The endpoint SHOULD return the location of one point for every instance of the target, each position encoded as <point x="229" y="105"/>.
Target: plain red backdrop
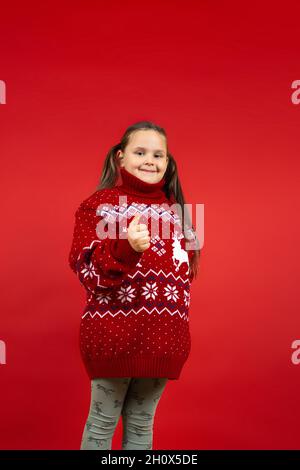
<point x="217" y="76"/>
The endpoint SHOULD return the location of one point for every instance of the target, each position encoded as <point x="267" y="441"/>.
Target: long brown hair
<point x="172" y="187"/>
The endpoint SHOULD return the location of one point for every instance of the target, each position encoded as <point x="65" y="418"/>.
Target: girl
<point x="134" y="330"/>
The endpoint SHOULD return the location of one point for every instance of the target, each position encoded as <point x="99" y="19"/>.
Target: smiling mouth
<point x="148" y="171"/>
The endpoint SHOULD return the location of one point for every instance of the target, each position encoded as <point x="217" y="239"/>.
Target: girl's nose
<point x="149" y="159"/>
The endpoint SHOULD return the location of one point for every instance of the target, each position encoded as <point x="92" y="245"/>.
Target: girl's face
<point x="145" y="156"/>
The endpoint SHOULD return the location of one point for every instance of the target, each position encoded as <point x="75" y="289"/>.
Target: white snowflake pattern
<point x="171" y="292"/>
<point x="186" y="298"/>
<point x="103" y="298"/>
<point x="150" y="290"/>
<point x="157" y="245"/>
<point x="126" y="293"/>
<point x="89" y="271"/>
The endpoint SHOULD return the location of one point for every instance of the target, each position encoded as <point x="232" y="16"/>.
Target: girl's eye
<point x="143" y="152"/>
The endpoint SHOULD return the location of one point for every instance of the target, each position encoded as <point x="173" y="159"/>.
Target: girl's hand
<point x="138" y="235"/>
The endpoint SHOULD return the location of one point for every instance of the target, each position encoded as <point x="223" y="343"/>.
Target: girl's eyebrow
<point x="142" y="148"/>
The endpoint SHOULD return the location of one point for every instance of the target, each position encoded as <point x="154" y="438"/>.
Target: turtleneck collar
<point x="131" y="184"/>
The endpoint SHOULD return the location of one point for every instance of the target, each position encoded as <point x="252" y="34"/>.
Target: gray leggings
<point x="135" y="398"/>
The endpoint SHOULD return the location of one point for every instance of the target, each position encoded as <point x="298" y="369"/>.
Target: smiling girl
<point x="134" y="330"/>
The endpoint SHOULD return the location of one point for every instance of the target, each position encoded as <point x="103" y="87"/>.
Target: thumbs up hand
<point x="138" y="235"/>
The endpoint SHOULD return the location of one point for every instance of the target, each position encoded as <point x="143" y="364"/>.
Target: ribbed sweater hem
<point x="135" y="366"/>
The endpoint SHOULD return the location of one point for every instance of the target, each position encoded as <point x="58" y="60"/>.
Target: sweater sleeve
<point x="99" y="263"/>
<point x="190" y="255"/>
<point x="191" y="235"/>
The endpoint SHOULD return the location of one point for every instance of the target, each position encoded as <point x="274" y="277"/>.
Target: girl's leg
<point x="107" y="397"/>
<point x="138" y="412"/>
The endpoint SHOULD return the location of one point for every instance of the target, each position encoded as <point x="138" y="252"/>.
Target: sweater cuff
<point x="123" y="251"/>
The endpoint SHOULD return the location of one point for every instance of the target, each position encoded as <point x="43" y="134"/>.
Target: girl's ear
<point x="120" y="158"/>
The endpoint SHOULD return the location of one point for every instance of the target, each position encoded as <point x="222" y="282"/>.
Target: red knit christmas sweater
<point x="135" y="322"/>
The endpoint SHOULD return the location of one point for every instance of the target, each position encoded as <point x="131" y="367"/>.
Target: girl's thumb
<point x="136" y="219"/>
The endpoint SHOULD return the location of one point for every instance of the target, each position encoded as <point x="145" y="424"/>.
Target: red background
<point x="217" y="76"/>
